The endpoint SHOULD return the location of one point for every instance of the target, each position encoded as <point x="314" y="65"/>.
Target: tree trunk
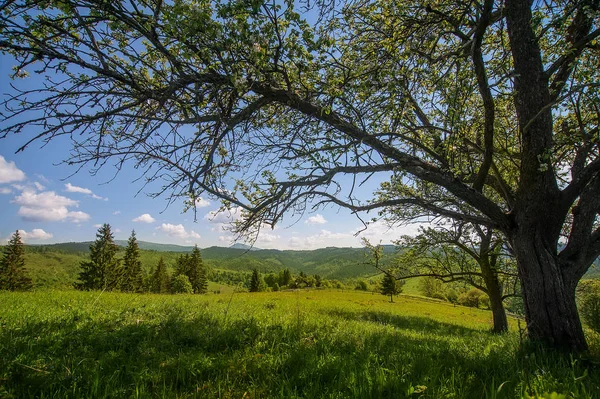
<point x="549" y="299"/>
<point x="498" y="311"/>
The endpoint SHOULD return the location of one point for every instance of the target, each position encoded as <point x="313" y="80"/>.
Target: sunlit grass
<point x="329" y="344"/>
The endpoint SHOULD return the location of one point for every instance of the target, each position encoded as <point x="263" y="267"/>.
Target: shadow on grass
<point x="403" y="322"/>
<point x="205" y="356"/>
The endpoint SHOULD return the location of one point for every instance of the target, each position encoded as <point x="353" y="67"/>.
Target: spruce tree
<point x="103" y="271"/>
<point x="255" y="281"/>
<point x="196" y="272"/>
<point x="13" y="276"/>
<point x="285" y="277"/>
<point x="159" y="282"/>
<point x="390" y="286"/>
<point x="132" y="267"/>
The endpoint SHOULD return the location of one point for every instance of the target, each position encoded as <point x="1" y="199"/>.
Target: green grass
<point x="302" y="344"/>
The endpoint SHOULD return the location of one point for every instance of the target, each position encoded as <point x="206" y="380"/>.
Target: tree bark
<point x="549" y="299"/>
<point x="494" y="291"/>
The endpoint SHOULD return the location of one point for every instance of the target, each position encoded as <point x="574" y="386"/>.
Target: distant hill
<point x="152" y="246"/>
<point x="245" y="247"/>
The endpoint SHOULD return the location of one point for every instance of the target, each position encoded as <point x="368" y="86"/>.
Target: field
<point x="297" y="344"/>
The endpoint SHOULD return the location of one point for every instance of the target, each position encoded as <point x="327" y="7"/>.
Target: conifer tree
<point x="132" y="267"/>
<point x="285" y="277"/>
<point x="390" y="286"/>
<point x="197" y="272"/>
<point x="255" y="281"/>
<point x="103" y="270"/>
<point x="13" y="276"/>
<point x="159" y="282"/>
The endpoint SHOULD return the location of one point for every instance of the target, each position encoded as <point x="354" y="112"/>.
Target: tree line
<point x="104" y="271"/>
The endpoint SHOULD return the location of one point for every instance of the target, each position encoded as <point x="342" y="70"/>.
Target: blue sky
<point x="49" y="203"/>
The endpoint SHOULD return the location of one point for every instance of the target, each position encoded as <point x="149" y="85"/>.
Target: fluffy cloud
<point x="317" y="219"/>
<point x="116" y="212"/>
<point x="177" y="230"/>
<point x="9" y="172"/>
<point x="224" y="217"/>
<point x="47" y="207"/>
<point x="145" y="218"/>
<point x="75" y="189"/>
<point x="35" y="234"/>
<point x="202" y="203"/>
<point x="5" y="190"/>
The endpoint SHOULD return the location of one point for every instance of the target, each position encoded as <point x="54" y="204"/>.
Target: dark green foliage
<point x="588" y="293"/>
<point x="256" y="282"/>
<point x="191" y="265"/>
<point x="132" y="267"/>
<point x="103" y="271"/>
<point x="181" y="285"/>
<point x="13" y="276"/>
<point x="285" y="277"/>
<point x="159" y="282"/>
<point x="390" y="286"/>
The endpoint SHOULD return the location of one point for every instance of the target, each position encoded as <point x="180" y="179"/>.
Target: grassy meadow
<point x="294" y="344"/>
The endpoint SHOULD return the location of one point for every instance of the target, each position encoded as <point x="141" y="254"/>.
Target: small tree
<point x="390" y="286"/>
<point x="132" y="267"/>
<point x="103" y="270"/>
<point x="255" y="281"/>
<point x="159" y="282"/>
<point x="13" y="276"/>
<point x="181" y="285"/>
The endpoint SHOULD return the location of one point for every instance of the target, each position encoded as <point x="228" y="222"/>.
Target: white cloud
<point x="226" y="216"/>
<point x="97" y="225"/>
<point x="177" y="230"/>
<point x="317" y="219"/>
<point x="47" y="207"/>
<point x="5" y="190"/>
<point x="9" y="172"/>
<point x="35" y="234"/>
<point x="47" y="199"/>
<point x="75" y="189"/>
<point x="145" y="218"/>
<point x="116" y="212"/>
<point x="39" y="186"/>
<point x="117" y="230"/>
<point x="267" y="239"/>
<point x="325" y="238"/>
<point x="202" y="203"/>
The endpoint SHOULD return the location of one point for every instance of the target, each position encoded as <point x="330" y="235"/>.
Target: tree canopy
<point x="484" y="112"/>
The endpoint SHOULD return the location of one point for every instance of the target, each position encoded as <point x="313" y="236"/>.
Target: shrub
<point x="361" y="285"/>
<point x="471" y="298"/>
<point x="452" y="295"/>
<point x="181" y="285"/>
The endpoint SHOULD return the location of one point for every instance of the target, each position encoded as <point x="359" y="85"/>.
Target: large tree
<point x="480" y="111"/>
<point x="13" y="276"/>
<point x="103" y="271"/>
